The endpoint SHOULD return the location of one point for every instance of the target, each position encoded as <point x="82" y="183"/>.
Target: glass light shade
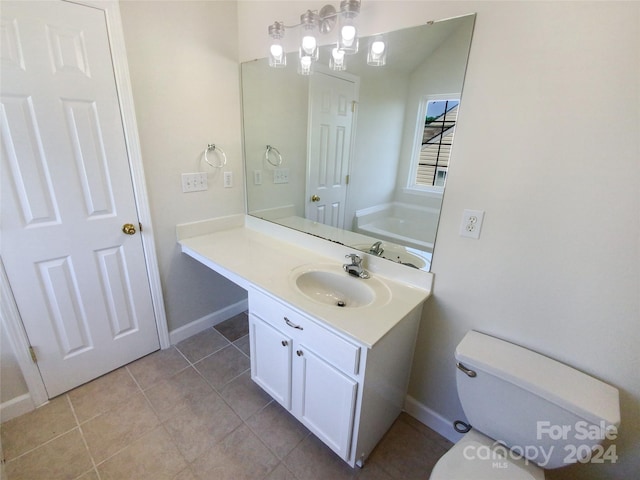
<point x="348" y="38"/>
<point x="305" y="66"/>
<point x="377" y="54"/>
<point x="348" y="28"/>
<point x="337" y="61"/>
<point x="309" y="31"/>
<point x="277" y="55"/>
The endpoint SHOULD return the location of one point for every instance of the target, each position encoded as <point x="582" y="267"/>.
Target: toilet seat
<point x="478" y="457"/>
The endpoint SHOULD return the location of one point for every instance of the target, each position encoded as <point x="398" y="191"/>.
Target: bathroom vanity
<point x="333" y="349"/>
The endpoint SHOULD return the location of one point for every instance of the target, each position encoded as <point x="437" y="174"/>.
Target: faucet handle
<point x="355" y="258"/>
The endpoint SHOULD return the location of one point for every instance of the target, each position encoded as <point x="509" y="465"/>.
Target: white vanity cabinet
<point x="348" y="395"/>
<point x="309" y="370"/>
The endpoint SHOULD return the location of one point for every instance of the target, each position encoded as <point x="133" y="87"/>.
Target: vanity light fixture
<point x="314" y="23"/>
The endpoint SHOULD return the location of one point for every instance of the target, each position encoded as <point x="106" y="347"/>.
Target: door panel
<point x="326" y="400"/>
<point x="271" y="360"/>
<point x="80" y="283"/>
<point x="330" y="130"/>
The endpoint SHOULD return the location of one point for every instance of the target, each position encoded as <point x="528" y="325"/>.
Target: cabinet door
<point x="271" y="360"/>
<point x="325" y="400"/>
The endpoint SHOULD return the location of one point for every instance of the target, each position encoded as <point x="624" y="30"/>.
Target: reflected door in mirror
<point x="331" y="118"/>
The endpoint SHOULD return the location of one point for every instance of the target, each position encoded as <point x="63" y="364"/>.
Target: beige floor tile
<point x="281" y="473"/>
<point x="184" y="389"/>
<point x="278" y="429"/>
<point x="26" y="432"/>
<point x="91" y="475"/>
<point x="153" y="456"/>
<point x="102" y="394"/>
<point x="65" y="457"/>
<point x="244" y="396"/>
<point x="223" y="366"/>
<point x="111" y="431"/>
<point x="405" y="452"/>
<point x="197" y="428"/>
<point x="240" y="455"/>
<point x="234" y="328"/>
<point x="205" y="343"/>
<point x="313" y="460"/>
<point x="186" y="474"/>
<point x="157" y="366"/>
<point x="243" y="344"/>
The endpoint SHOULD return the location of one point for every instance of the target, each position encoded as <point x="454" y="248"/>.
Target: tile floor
<point x="191" y="412"/>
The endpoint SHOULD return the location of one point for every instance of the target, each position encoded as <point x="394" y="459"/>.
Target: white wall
<point x="547" y="144"/>
<point x="184" y="70"/>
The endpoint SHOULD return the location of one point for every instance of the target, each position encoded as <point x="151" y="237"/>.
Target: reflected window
<point x="435" y="139"/>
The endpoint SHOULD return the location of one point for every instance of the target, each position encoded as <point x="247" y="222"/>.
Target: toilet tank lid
<point x="565" y="386"/>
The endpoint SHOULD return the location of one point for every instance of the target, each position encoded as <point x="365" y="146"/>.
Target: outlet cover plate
<point x="471" y="223"/>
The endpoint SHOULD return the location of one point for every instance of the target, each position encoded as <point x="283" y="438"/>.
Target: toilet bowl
<point x="477" y="457"/>
<point x="516" y="402"/>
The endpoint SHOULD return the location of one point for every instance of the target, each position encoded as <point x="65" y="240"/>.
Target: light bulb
<point x="377" y="47"/>
<point x="348" y="34"/>
<point x="336" y="62"/>
<point x="276" y="50"/>
<point x="309" y="44"/>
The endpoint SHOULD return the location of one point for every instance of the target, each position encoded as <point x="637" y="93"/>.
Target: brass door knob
<point x="315" y="198"/>
<point x="129" y="229"/>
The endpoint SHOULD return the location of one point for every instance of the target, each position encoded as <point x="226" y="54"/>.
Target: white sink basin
<point x="331" y="285"/>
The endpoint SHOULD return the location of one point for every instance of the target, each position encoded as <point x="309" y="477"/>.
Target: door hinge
<point x="353" y="106"/>
<point x="140" y="226"/>
<point x="32" y="352"/>
<point x="346" y="180"/>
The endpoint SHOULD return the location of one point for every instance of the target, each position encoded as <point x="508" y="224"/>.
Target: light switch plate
<point x="281" y="175"/>
<point x="194" y="182"/>
<point x="228" y="179"/>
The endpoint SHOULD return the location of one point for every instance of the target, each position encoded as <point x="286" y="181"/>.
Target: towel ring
<point x="223" y="159"/>
<point x="267" y="156"/>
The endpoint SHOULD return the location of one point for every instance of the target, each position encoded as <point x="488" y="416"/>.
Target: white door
<point x="79" y="281"/>
<point x="331" y="104"/>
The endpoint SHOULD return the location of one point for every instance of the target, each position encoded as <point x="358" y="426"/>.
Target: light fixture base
<point x="328" y="18"/>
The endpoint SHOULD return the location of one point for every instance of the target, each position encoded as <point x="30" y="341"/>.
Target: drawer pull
<point x="299" y="353"/>
<point x="284" y="343"/>
<point x="292" y="325"/>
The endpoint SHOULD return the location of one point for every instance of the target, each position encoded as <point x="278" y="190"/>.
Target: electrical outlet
<point x="471" y="223"/>
<point x="281" y="175"/>
<point x="257" y="177"/>
<point x="228" y="179"/>
<point x="194" y="182"/>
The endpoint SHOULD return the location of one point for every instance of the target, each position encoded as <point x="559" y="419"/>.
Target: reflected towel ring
<point x="267" y="156"/>
<point x="223" y="159"/>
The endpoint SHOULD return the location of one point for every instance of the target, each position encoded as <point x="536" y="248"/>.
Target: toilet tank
<point x="542" y="409"/>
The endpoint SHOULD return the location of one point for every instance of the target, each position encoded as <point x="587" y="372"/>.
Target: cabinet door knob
<point x="284" y="343"/>
<point x="299" y="353"/>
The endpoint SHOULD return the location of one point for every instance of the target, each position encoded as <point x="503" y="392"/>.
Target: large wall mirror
<point x="359" y="156"/>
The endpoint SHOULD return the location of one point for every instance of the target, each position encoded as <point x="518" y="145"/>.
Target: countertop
<point x="253" y="258"/>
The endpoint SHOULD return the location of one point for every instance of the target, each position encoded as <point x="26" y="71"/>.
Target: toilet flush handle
<point x="467" y="371"/>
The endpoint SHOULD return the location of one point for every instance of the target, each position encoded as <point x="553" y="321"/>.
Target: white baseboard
<point x="197" y="326"/>
<point x="431" y="419"/>
<point x="16" y="406"/>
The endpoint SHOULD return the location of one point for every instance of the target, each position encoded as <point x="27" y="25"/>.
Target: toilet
<point x="528" y="413"/>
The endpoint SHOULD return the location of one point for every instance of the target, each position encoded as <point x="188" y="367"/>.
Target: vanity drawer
<point x="334" y="349"/>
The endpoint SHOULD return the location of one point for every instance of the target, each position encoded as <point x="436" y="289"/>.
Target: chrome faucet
<point x="376" y="249"/>
<point x="355" y="267"/>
